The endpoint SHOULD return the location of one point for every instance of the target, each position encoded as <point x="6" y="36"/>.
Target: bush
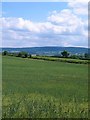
<point x="19" y="54"/>
<point x="74" y="57"/>
<point x="22" y="54"/>
<point x="29" y="56"/>
<point x="11" y="54"/>
<point x="68" y="60"/>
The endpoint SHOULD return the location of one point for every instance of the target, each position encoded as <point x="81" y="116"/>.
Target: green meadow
<point x="43" y="89"/>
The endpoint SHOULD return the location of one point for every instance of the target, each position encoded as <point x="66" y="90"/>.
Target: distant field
<point x="40" y="89"/>
<point x="68" y="60"/>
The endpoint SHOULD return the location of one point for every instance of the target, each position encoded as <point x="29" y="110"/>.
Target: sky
<point x="36" y="24"/>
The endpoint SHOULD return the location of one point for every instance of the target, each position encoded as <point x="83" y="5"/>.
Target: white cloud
<point x="70" y="22"/>
<point x="62" y="28"/>
<point x="79" y="8"/>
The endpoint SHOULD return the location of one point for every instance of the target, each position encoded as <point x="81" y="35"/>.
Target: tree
<point x="65" y="54"/>
<point x="5" y="53"/>
<point x="19" y="54"/>
<point x="26" y="55"/>
<point x="87" y="56"/>
<point x="30" y="56"/>
<point x="22" y="54"/>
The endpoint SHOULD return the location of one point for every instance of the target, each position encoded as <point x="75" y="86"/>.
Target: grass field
<point x="44" y="89"/>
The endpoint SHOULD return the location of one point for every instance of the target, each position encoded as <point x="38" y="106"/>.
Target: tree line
<point x="64" y="54"/>
<point x="17" y="54"/>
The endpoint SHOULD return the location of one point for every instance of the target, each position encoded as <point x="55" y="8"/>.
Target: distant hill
<point x="48" y="50"/>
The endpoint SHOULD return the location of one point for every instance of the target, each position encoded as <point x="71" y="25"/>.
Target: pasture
<point x="43" y="89"/>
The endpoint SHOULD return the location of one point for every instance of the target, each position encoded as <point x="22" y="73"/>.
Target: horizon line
<point x="47" y="46"/>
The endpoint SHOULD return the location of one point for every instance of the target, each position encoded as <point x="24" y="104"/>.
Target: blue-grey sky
<point x="31" y="24"/>
<point x="36" y="11"/>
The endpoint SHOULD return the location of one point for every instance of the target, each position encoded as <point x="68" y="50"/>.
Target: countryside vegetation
<point x="44" y="86"/>
<point x="65" y="56"/>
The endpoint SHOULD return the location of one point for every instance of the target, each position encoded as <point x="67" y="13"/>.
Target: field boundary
<point x="77" y="61"/>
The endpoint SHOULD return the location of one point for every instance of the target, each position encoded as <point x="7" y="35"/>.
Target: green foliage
<point x="5" y="53"/>
<point x="67" y="60"/>
<point x="29" y="56"/>
<point x="65" y="54"/>
<point x="19" y="54"/>
<point x="22" y="54"/>
<point x="87" y="56"/>
<point x="74" y="56"/>
<point x="79" y="59"/>
<point x="45" y="89"/>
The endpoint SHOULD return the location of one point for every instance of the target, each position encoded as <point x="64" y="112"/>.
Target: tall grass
<point x="40" y="106"/>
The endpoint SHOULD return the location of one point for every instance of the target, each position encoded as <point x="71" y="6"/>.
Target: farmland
<point x="44" y="89"/>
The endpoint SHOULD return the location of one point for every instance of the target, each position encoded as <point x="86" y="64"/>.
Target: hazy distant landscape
<point x="49" y="50"/>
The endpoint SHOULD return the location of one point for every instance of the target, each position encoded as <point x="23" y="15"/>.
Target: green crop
<point x="44" y="89"/>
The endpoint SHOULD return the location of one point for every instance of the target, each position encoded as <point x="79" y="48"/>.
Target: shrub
<point x="74" y="57"/>
<point x="29" y="56"/>
<point x="22" y="54"/>
<point x="19" y="54"/>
